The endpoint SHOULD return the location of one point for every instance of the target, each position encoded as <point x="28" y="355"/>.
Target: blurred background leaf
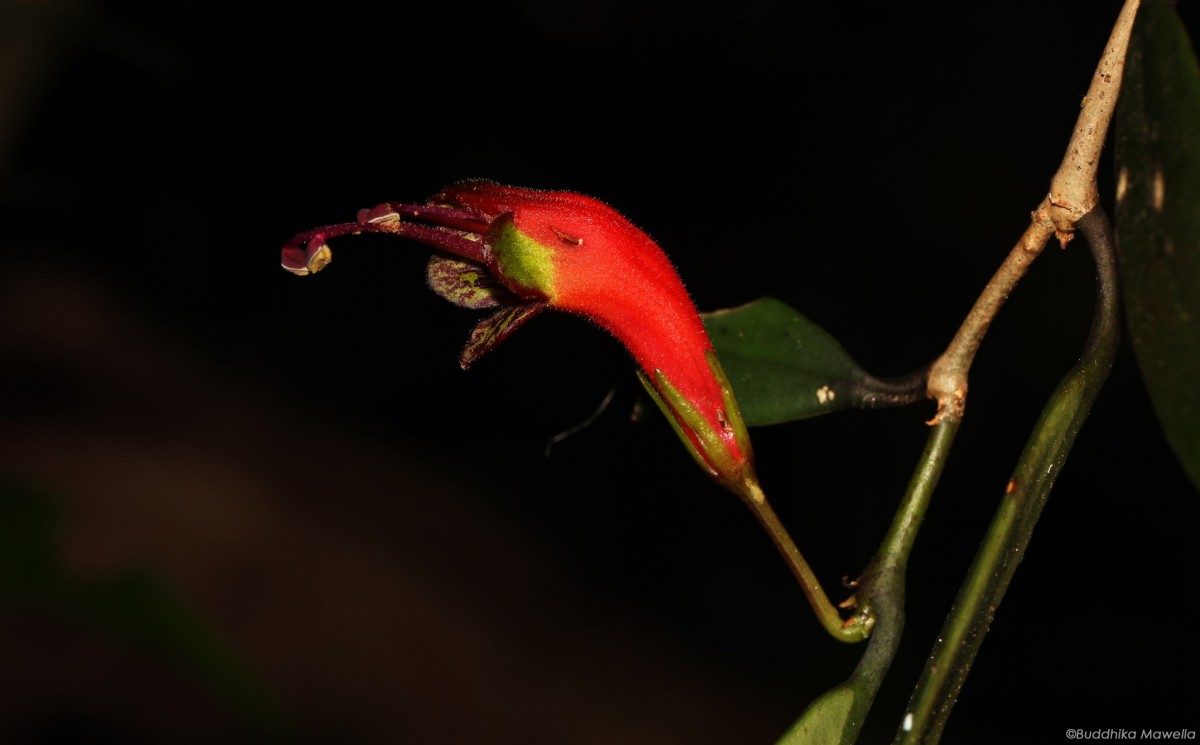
<point x="135" y="608"/>
<point x="1158" y="220"/>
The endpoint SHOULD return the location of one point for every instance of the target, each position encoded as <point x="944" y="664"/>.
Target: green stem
<point x="885" y="393"/>
<point x="893" y="552"/>
<point x="1025" y="496"/>
<point x="881" y="598"/>
<point x="846" y="631"/>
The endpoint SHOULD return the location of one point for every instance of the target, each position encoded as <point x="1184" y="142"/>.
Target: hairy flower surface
<point x="523" y="250"/>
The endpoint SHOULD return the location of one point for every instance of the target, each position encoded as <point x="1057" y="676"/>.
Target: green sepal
<point x="733" y="412"/>
<point x="674" y="415"/>
<point x="491" y="331"/>
<point x="701" y="439"/>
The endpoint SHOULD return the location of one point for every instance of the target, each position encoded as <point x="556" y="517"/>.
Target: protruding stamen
<point x="301" y="257"/>
<point x="449" y="217"/>
<point x="464" y="243"/>
<point x="378" y="213"/>
<point x="451" y="230"/>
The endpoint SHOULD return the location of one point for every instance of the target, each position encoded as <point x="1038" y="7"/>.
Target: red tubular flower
<point x="524" y="250"/>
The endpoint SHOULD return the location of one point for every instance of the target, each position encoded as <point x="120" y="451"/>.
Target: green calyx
<point x="524" y="265"/>
<point x="702" y="439"/>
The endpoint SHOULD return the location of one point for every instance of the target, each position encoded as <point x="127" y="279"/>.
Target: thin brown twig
<point x="1073" y="193"/>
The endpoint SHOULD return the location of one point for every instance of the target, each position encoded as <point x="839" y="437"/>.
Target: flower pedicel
<point x="520" y="251"/>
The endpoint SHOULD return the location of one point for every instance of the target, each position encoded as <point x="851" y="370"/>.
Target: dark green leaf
<point x="784" y="367"/>
<point x="1158" y="220"/>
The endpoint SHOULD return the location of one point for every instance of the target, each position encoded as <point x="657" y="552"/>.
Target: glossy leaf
<point x="1158" y="220"/>
<point x="785" y="367"/>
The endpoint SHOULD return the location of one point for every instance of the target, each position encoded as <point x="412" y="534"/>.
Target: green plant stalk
<point x="838" y="715"/>
<point x="736" y="473"/>
<point x="882" y="587"/>
<point x="893" y="553"/>
<point x="854" y="630"/>
<point x="1025" y="496"/>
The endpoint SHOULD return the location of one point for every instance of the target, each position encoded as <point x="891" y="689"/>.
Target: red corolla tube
<point x="523" y="250"/>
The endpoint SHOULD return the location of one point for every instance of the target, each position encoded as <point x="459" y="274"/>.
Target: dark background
<point x="358" y="542"/>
